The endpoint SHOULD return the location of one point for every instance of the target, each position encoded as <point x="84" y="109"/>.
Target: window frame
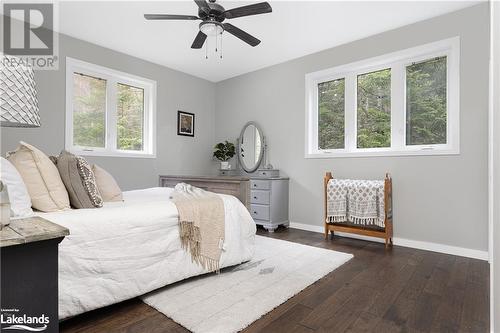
<point x="397" y="63"/>
<point x="112" y="77"/>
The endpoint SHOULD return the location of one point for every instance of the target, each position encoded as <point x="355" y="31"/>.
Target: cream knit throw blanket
<point x="201" y="224"/>
<point x="356" y="201"/>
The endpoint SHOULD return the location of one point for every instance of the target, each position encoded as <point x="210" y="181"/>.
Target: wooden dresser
<point x="233" y="185"/>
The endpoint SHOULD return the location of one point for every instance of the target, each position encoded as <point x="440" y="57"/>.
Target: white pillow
<point x="20" y="201"/>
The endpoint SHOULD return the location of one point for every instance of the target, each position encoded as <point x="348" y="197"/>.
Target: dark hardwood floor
<point x="400" y="290"/>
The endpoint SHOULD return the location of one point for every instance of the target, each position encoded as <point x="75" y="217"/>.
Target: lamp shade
<point x="18" y="97"/>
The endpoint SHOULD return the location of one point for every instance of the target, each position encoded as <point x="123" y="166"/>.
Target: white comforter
<point x="129" y="248"/>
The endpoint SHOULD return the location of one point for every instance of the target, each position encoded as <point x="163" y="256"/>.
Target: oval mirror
<point x="251" y="147"/>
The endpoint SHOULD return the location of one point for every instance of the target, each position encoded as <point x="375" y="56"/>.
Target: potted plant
<point x="224" y="151"/>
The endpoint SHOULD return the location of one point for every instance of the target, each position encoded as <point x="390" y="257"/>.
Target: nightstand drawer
<point x="260" y="184"/>
<point x="260" y="212"/>
<point x="259" y="197"/>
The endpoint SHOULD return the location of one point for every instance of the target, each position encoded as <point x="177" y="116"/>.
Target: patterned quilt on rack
<point x="356" y="201"/>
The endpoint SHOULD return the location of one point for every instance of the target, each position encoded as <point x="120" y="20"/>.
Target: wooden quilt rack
<point x="384" y="233"/>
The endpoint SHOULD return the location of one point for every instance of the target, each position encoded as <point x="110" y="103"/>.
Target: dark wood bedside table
<point x="29" y="273"/>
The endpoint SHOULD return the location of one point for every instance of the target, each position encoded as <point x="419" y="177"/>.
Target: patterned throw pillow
<point x="79" y="180"/>
<point x="88" y="180"/>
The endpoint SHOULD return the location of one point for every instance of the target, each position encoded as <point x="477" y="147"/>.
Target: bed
<point x="129" y="248"/>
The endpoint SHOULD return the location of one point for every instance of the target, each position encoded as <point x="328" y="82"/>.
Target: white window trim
<point x="397" y="62"/>
<point x="113" y="77"/>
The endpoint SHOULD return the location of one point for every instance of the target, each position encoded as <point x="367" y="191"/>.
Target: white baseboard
<point x="421" y="245"/>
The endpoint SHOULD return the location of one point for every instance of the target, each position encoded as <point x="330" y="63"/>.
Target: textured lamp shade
<point x="18" y="100"/>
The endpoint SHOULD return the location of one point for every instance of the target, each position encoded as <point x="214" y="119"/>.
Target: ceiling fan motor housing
<point x="216" y="12"/>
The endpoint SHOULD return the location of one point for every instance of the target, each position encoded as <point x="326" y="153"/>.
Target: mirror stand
<point x="252" y="154"/>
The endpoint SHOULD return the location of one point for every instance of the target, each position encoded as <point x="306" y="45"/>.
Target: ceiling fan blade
<point x="169" y="17"/>
<point x="199" y="40"/>
<point x="202" y="4"/>
<point x="258" y="8"/>
<point x="246" y="37"/>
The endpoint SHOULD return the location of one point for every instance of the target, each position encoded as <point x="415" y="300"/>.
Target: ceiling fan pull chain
<point x="221" y="45"/>
<point x="206" y="50"/>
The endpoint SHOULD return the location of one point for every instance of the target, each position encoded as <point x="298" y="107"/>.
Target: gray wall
<point x="440" y="199"/>
<point x="495" y="172"/>
<point x="175" y="91"/>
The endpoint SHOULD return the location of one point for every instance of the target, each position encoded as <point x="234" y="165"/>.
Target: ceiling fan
<point x="212" y="16"/>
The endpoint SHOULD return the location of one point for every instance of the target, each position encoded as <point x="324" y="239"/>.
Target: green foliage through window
<point x="89" y="113"/>
<point x="374" y="109"/>
<point x="331" y="115"/>
<point x="426" y="102"/>
<point x="130" y="118"/>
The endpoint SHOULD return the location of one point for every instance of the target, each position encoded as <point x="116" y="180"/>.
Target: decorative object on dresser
<point x="224" y="151"/>
<point x="29" y="275"/>
<point x="362" y="207"/>
<point x="185" y="123"/>
<point x="238" y="186"/>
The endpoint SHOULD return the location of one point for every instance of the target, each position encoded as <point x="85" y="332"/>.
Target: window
<point x="331" y="114"/>
<point x="130" y="118"/>
<point x="374" y="109"/>
<point x="426" y="102"/>
<point x="108" y="113"/>
<point x="403" y="103"/>
<point x="89" y="111"/>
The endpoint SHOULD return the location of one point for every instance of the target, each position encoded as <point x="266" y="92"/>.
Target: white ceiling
<point x="292" y="30"/>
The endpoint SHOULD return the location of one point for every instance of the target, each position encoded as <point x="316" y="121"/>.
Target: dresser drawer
<point x="259" y="212"/>
<point x="266" y="173"/>
<point x="259" y="197"/>
<point x="257" y="184"/>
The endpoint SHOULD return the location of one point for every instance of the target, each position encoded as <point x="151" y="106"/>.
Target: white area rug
<point x="237" y="297"/>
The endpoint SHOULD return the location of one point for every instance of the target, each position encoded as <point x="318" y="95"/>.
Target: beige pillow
<point x="41" y="177"/>
<point x="109" y="189"/>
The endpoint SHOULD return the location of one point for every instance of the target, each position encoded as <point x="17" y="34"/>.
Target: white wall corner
<point x="421" y="245"/>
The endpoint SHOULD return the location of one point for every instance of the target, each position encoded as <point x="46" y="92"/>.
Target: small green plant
<point x="223" y="151"/>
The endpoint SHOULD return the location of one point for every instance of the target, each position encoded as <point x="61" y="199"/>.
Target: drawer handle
<point x="255" y="197"/>
<point x="255" y="212"/>
<point x="254" y="185"/>
<point x="264" y="173"/>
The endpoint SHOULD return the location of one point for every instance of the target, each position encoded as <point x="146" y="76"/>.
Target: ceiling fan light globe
<point x="211" y="29"/>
